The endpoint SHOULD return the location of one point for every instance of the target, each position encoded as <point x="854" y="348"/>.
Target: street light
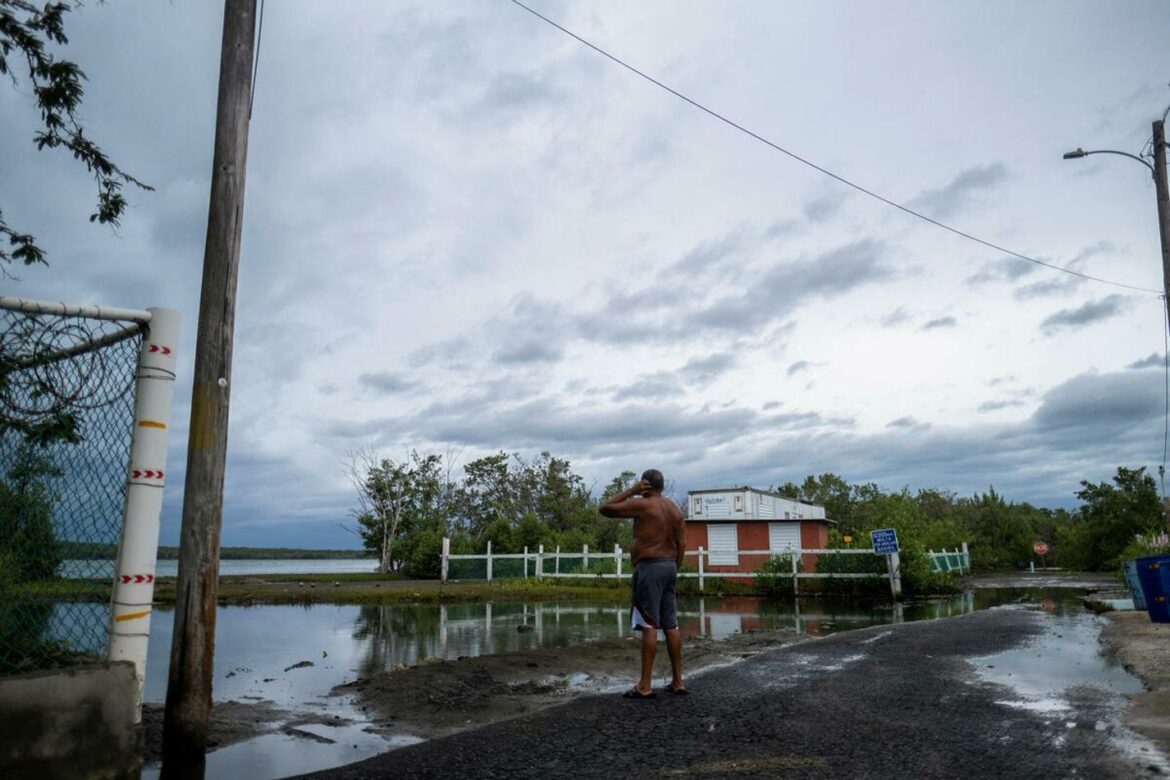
<point x="1158" y="169"/>
<point x="1078" y="153"/>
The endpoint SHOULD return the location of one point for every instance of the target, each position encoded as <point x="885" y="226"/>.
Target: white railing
<point x="542" y="561"/>
<point x="950" y="560"/>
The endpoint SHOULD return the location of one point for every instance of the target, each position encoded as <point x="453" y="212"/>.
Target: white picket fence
<point x="542" y="561"/>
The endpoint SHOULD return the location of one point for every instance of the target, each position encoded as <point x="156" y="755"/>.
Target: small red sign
<point x="1040" y="548"/>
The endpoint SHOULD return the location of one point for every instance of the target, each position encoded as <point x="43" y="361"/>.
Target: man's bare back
<point x="659" y="530"/>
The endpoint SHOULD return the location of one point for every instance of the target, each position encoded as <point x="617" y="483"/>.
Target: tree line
<point x="406" y="507"/>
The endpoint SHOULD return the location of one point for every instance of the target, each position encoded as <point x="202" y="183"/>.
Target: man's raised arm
<point x="624" y="504"/>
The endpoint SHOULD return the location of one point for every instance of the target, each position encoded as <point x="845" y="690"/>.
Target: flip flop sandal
<point x="634" y="693"/>
<point x="676" y="691"/>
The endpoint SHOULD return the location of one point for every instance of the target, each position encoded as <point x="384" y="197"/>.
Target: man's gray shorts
<point x="653" y="586"/>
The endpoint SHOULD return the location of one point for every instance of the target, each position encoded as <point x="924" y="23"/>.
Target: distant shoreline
<point x="81" y="551"/>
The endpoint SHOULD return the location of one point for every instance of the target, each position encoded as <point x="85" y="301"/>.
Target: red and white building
<point x="728" y="521"/>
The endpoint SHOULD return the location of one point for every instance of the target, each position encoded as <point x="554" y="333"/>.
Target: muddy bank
<point x="231" y="721"/>
<point x="1143" y="648"/>
<point x="437" y="697"/>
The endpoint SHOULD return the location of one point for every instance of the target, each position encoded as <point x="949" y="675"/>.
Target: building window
<point x="783" y="536"/>
<point x="698" y="505"/>
<point x="724" y="550"/>
<point x="739" y="503"/>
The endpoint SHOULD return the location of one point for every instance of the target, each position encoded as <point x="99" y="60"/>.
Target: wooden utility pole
<point x="188" y="706"/>
<point x="1163" y="226"/>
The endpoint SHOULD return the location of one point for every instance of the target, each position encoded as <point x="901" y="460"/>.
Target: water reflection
<point x="395" y="634"/>
<point x="256" y="646"/>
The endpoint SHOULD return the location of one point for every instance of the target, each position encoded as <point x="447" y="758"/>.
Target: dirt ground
<point x="438" y="697"/>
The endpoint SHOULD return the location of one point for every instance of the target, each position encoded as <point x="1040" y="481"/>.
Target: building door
<point x="724" y="549"/>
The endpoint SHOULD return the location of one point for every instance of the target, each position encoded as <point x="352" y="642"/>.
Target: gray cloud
<point x="384" y="383"/>
<point x="549" y="424"/>
<point x="798" y="366"/>
<point x="1040" y="459"/>
<point x="518" y="91"/>
<point x="1093" y="311"/>
<point x="1062" y="284"/>
<point x="898" y="316"/>
<point x="834" y="273"/>
<point x="960" y="191"/>
<point x="1047" y="288"/>
<point x="907" y="423"/>
<point x="1096" y="401"/>
<point x="822" y="208"/>
<point x="531" y="350"/>
<point x="662" y="384"/>
<point x="702" y="371"/>
<point x="1007" y="269"/>
<point x="1153" y="360"/>
<point x="940" y="322"/>
<point x="992" y="406"/>
<point x="711" y="256"/>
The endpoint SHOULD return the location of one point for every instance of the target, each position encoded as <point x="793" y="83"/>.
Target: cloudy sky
<point x="467" y="232"/>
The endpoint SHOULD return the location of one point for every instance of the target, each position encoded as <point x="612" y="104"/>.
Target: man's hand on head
<point x="642" y="487"/>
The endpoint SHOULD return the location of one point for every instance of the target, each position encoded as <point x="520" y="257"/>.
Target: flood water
<point x="293" y="656"/>
<point x="256" y="645"/>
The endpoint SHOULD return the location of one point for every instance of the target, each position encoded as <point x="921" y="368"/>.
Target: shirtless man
<point x="657" y="554"/>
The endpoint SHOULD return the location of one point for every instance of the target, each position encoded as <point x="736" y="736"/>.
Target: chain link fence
<point x="66" y="420"/>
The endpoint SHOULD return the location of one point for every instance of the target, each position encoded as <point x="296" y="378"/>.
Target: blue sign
<point x="885" y="541"/>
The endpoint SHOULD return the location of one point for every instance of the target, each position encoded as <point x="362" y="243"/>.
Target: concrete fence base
<point x="70" y="723"/>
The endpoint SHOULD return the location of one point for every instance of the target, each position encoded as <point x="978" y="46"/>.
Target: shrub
<point x="774" y="578"/>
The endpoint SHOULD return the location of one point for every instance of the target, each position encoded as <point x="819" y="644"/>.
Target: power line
<point x="256" y="59"/>
<point x="825" y="171"/>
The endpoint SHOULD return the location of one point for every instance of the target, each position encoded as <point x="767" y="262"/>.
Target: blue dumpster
<point x="1154" y="575"/>
<point x="1135" y="584"/>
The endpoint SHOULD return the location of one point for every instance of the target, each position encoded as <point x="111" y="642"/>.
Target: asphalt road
<point x="901" y="701"/>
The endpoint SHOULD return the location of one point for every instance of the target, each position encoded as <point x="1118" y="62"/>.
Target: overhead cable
<point x="825" y="171"/>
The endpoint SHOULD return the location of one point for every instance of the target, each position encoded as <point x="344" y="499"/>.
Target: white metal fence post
<point x="525" y="561"/>
<point x="539" y="562"/>
<point x="795" y="579"/>
<point x="700" y="575"/>
<point x="894" y="564"/>
<point x="557" y="562"/>
<point x="445" y="559"/>
<point x="966" y="558"/>
<point x="584" y="559"/>
<point x="618" y="554"/>
<point x="138" y="547"/>
<point x="489" y="568"/>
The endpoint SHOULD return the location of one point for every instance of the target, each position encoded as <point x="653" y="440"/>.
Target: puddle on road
<point x="1045" y="672"/>
<point x="308" y="748"/>
<point x="1063" y="677"/>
